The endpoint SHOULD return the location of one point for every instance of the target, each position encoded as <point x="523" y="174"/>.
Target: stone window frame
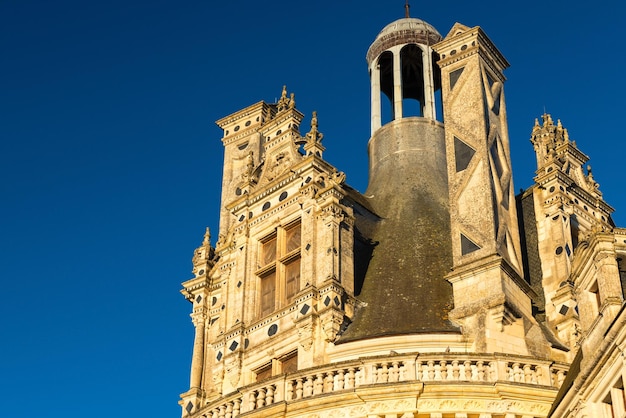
<point x="279" y="267"/>
<point x="614" y="402"/>
<point x="595" y="297"/>
<point x="284" y="364"/>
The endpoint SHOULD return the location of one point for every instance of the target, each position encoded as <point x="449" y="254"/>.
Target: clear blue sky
<point x="111" y="162"/>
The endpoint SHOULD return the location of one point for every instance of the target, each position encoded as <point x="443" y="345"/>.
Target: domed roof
<point x="407" y="30"/>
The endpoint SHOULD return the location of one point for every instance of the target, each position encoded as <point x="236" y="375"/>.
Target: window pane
<point x="264" y="372"/>
<point x="289" y="364"/>
<point x="268" y="252"/>
<point x="293" y="238"/>
<point x="292" y="279"/>
<point x="268" y="293"/>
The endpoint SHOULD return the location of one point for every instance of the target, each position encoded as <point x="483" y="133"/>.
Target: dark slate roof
<point x="403" y="253"/>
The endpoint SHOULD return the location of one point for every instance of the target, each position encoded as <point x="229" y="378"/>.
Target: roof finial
<point x="406" y="9"/>
<point x="207" y="237"/>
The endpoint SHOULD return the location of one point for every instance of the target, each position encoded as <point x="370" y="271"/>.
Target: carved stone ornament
<point x="233" y="369"/>
<point x="218" y="377"/>
<point x="305" y="333"/>
<point x="357" y="411"/>
<point x="331" y="323"/>
<point x="332" y="212"/>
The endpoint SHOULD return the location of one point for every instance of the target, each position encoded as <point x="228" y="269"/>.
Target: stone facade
<point x="436" y="293"/>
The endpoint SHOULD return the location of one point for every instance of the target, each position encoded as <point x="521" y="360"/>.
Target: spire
<point x="285" y="102"/>
<point x="207" y="237"/>
<point x="203" y="256"/>
<point x="407" y="6"/>
<point x="313" y="138"/>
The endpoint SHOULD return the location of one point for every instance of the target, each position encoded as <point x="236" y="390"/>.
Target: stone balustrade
<point x="427" y="368"/>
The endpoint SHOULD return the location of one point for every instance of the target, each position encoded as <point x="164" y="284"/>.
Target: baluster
<point x="269" y="397"/>
<point x="431" y="370"/>
<point x="361" y="377"/>
<point x="289" y="390"/>
<point x="437" y="371"/>
<point x="299" y="386"/>
<point x="560" y="376"/>
<point x="394" y="372"/>
<point x="229" y="410"/>
<point x="351" y="377"/>
<point x="528" y="378"/>
<point x="535" y="374"/>
<point x="402" y="371"/>
<point x="260" y="398"/>
<point x="480" y="369"/>
<point x="384" y="373"/>
<point x="329" y="382"/>
<point x="444" y="369"/>
<point x="467" y="368"/>
<point x="493" y="371"/>
<point x="236" y="407"/>
<point x="340" y="380"/>
<point x="222" y="411"/>
<point x="517" y="372"/>
<point x="418" y="370"/>
<point x="319" y="384"/>
<point x="375" y="373"/>
<point x="456" y="370"/>
<point x="539" y="371"/>
<point x="252" y="400"/>
<point x="308" y="386"/>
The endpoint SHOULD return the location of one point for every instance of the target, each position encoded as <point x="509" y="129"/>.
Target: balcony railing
<point x="435" y="367"/>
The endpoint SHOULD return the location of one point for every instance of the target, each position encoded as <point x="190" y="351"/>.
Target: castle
<point x="437" y="293"/>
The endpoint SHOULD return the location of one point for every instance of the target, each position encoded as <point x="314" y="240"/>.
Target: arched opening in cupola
<point x="385" y="70"/>
<point x="412" y="66"/>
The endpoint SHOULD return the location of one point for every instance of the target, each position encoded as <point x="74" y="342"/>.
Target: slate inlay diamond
<point x="305" y="308"/>
<point x="219" y="356"/>
<point x="337" y="301"/>
<point x="454" y="77"/>
<point x="564" y="309"/>
<point x="233" y="346"/>
<point x="467" y="246"/>
<point x="327" y="301"/>
<point x="463" y="154"/>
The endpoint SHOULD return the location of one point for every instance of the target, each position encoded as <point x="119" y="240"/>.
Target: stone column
<point x="331" y="216"/>
<point x="197" y="360"/>
<point x="429" y="87"/>
<point x="397" y="84"/>
<point x="375" y="99"/>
